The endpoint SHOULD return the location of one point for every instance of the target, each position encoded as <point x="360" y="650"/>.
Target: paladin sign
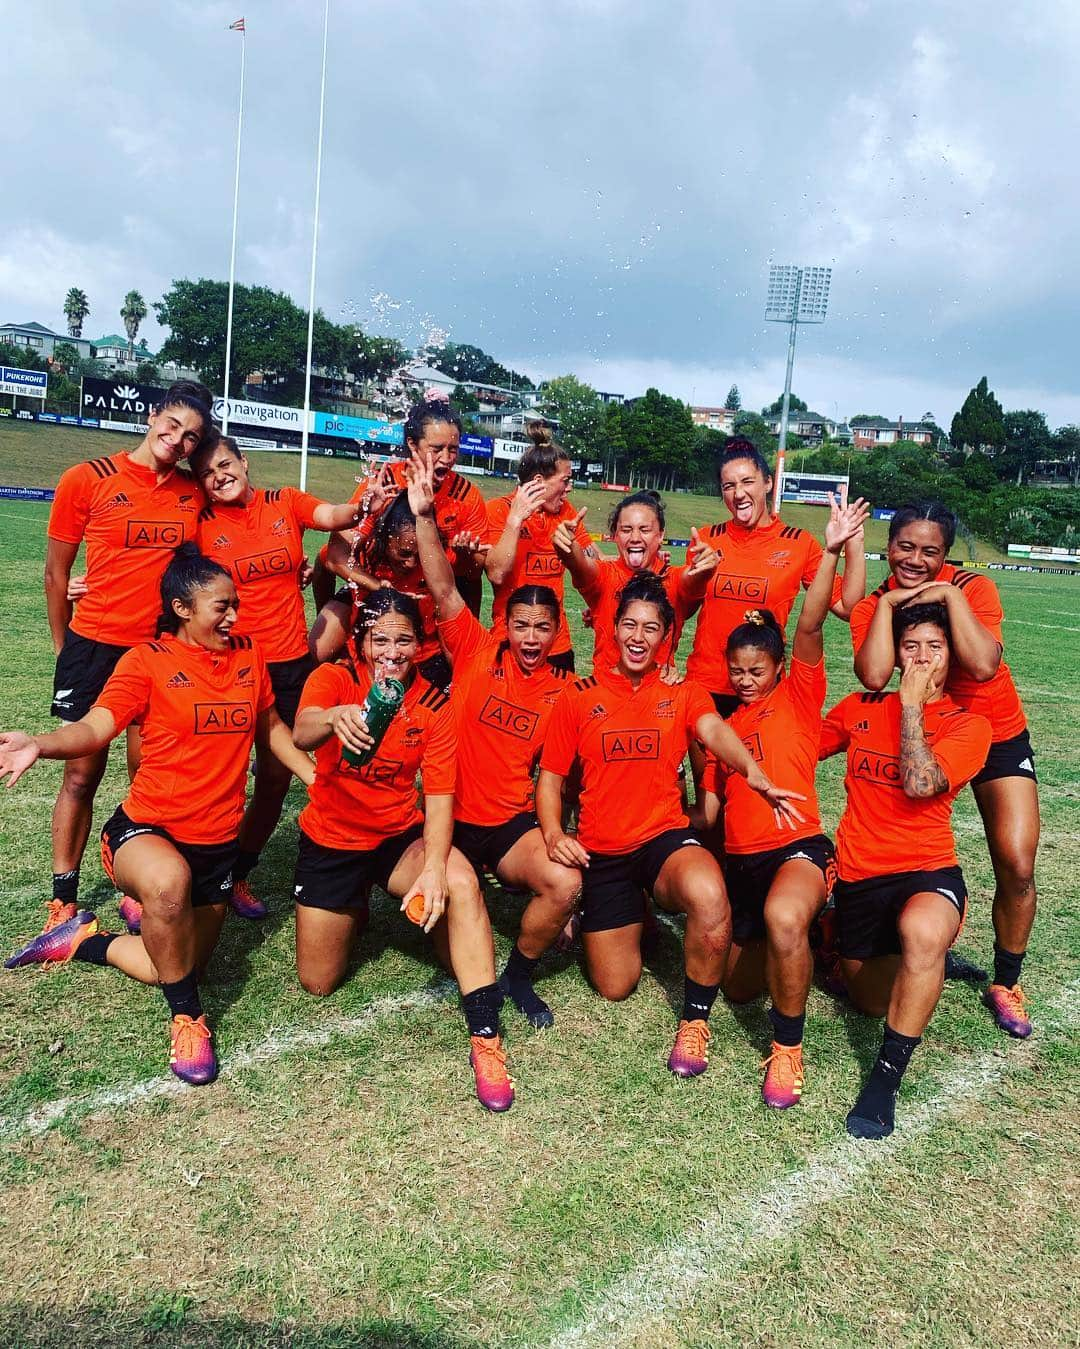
<point x="107" y="397"/>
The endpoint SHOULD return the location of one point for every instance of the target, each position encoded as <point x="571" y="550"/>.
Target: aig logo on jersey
<point x="153" y="534"/>
<point x="753" y="744"/>
<point x="261" y="566"/>
<point x="883" y="770"/>
<point x="630" y="746"/>
<point x="743" y="589"/>
<point x="223" y="718"/>
<point x="546" y="565"/>
<point x="509" y="719"/>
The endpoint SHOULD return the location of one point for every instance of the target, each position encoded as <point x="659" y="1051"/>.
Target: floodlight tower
<point x="796" y="295"/>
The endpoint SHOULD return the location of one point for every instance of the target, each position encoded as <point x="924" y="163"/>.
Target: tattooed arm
<point x="921" y="774"/>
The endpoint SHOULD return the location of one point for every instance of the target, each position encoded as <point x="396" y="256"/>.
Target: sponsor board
<point x="26" y="493"/>
<point x="136" y="428"/>
<point x="614" y="487"/>
<point x="23" y="383"/>
<point x="813" y="489"/>
<point x="119" y="396"/>
<point x="46" y="416"/>
<point x="480" y="446"/>
<point x="253" y="443"/>
<point x="358" y="428"/>
<point x="259" y="414"/>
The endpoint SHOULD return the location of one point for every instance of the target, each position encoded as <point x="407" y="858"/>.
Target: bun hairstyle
<point x="934" y="511"/>
<point x="759" y="631"/>
<point x="541" y="596"/>
<point x="738" y="447"/>
<point x="646" y="497"/>
<point x="649" y="589"/>
<point x="433" y="407"/>
<point x="188" y="572"/>
<point x="386" y="601"/>
<point x="907" y="616"/>
<point x="543" y="456"/>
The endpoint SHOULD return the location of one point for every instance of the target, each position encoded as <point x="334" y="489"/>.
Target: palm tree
<point x="133" y="313"/>
<point x="76" y="308"/>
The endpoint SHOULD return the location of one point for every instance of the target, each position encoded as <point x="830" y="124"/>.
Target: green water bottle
<point x="382" y="701"/>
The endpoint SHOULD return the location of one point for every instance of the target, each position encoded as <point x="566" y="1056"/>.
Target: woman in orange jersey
<point x="908" y="756"/>
<point x="362" y="827"/>
<point x="1006" y="789"/>
<point x="631" y="731"/>
<point x="522" y="527"/>
<point x="131" y="509"/>
<point x="259" y="537"/>
<point x="778" y="887"/>
<point x="763" y="563"/>
<point x="504" y="693"/>
<point x="637" y="526"/>
<point x="202" y="698"/>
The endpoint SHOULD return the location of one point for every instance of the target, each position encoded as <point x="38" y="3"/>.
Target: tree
<point x="132" y="313"/>
<point x="146" y="372"/>
<point x="660" y="443"/>
<point x="66" y="359"/>
<point x="1066" y="446"/>
<point x="21" y="358"/>
<point x="733" y="401"/>
<point x="752" y="427"/>
<point x="794" y="405"/>
<point x="470" y="365"/>
<point x="463" y="401"/>
<point x="375" y="357"/>
<point x="979" y="425"/>
<point x="1027" y="440"/>
<point x="580" y="413"/>
<point x="76" y="310"/>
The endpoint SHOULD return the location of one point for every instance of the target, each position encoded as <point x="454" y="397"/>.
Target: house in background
<point x="808" y="426"/>
<point x="716" y="419"/>
<point x="43" y="341"/>
<point x="112" y="351"/>
<point x="869" y="432"/>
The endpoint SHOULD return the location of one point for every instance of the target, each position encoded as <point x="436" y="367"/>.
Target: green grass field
<point x="341" y="1186"/>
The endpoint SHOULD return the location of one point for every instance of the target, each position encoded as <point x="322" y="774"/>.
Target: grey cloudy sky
<point x="593" y="186"/>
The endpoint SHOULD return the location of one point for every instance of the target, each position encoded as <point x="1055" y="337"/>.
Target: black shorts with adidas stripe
<point x="83" y="668"/>
<point x="1012" y="758"/>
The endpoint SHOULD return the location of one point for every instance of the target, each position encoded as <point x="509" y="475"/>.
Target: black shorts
<point x="725" y="703"/>
<point x="1012" y="758"/>
<point x="485" y="845"/>
<point x="750" y="875"/>
<point x="82" y="671"/>
<point x="211" y="864"/>
<point x="287" y="679"/>
<point x="613" y="884"/>
<point x="436" y="670"/>
<point x="340" y="878"/>
<point x="866" y="911"/>
<point x="563" y="661"/>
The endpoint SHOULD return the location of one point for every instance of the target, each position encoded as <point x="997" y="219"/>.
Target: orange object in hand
<point x="414" y="910"/>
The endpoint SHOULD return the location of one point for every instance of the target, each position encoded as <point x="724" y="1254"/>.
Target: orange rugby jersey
<point x="631" y="743"/>
<point x="602" y="597"/>
<point x="131" y="523"/>
<point x="357" y="808"/>
<point x="502" y="716"/>
<point x="535" y="563"/>
<point x="760" y="568"/>
<point x="997" y="699"/>
<point x="783" y="733"/>
<point x="197" y="710"/>
<point x="262" y="546"/>
<point x="882" y="830"/>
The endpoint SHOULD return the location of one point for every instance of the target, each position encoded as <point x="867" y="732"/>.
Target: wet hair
<point x="738" y="447"/>
<point x="646" y="497"/>
<point x="189" y="393"/>
<point x="188" y="572"/>
<point x="649" y="589"/>
<point x="212" y="442"/>
<point x="934" y="511"/>
<point x="423" y="414"/>
<point x="542" y="596"/>
<point x="907" y="616"/>
<point x="394" y="520"/>
<point x="386" y="601"/>
<point x="543" y="456"/>
<point x="760" y="631"/>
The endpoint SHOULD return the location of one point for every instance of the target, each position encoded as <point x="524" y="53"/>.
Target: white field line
<point x="1055" y="627"/>
<point x="274" y="1046"/>
<point x="729" y="1237"/>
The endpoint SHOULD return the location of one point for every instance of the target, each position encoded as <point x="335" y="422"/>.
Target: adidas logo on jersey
<point x="179" y="681"/>
<point x="118" y="502"/>
<point x="222" y="541"/>
<point x="599" y="711"/>
<point x="861" y="726"/>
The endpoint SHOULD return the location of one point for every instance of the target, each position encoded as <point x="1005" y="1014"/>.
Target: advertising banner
<point x="358" y="428"/>
<point x="259" y="414"/>
<point x="23" y="383"/>
<point x="813" y="489"/>
<point x="481" y="446"/>
<point x="112" y="397"/>
<point x="27" y="493"/>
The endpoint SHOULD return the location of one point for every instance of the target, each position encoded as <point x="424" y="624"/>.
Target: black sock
<point x="92" y="949"/>
<point x="1007" y="966"/>
<point x="516" y="979"/>
<point x="245" y="864"/>
<point x="65" y="886"/>
<point x="787" y="1030"/>
<point x="482" y="1007"/>
<point x="874" y="1114"/>
<point x="183" y="997"/>
<point x="698" y="1000"/>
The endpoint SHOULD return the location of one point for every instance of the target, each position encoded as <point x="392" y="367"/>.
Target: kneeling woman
<point x="504" y="693"/>
<point x="631" y="732"/>
<point x="362" y="827"/>
<point x="202" y="699"/>
<point x="908" y="755"/>
<point x="778" y="888"/>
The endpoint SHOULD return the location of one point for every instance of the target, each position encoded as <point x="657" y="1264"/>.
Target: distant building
<point x="427" y="377"/>
<point x="513" y="423"/>
<point x="610" y="397"/>
<point x="112" y="350"/>
<point x="806" y="425"/>
<point x="43" y="341"/>
<point x="716" y="419"/>
<point x="869" y="432"/>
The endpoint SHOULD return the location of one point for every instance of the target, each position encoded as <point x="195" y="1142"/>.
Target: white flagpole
<point x="314" y="258"/>
<point x="232" y="252"/>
